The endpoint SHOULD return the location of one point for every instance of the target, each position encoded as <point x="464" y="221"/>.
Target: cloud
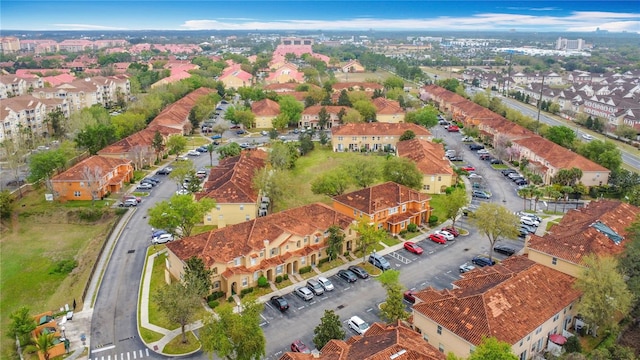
<point x="85" y="27"/>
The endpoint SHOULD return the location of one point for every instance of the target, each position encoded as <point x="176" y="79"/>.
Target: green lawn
<point x="390" y="241"/>
<point x="330" y="264"/>
<point x="436" y="204"/>
<point x="175" y="346"/>
<point x="199" y="229"/>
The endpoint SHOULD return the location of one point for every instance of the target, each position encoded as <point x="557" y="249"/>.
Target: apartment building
<point x="429" y="158"/>
<point x="374" y="136"/>
<point x="26" y="115"/>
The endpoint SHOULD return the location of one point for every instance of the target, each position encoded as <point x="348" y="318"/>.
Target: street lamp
<point x="64" y="335"/>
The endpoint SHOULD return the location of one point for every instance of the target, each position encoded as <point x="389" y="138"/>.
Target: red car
<point x="299" y="346"/>
<point x="468" y="168"/>
<point x="451" y="230"/>
<point x="408" y="295"/>
<point x="412" y="247"/>
<point x="438" y="238"/>
<point x="453" y="128"/>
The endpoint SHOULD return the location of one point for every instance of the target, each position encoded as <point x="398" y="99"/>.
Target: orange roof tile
<point x="377" y="128"/>
<point x="265" y="107"/>
<point x="76" y="172"/>
<point x="429" y="157"/>
<point x="379" y="197"/>
<point x="386" y="106"/>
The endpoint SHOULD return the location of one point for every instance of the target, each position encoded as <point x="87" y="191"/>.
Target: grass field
<point x="32" y="246"/>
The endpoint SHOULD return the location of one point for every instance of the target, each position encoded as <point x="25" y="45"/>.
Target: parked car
<point x="136" y="198"/>
<point x="437" y="238"/>
<point x="147" y="181"/>
<point x="468" y="168"/>
<point x="506" y="172"/>
<point x="16" y="182"/>
<point x="216" y="137"/>
<point x="474" y="176"/>
<point x="244" y="145"/>
<point x="514" y="175"/>
<point x="303" y="292"/>
<point x="326" y="283"/>
<point x="530" y="215"/>
<point x="162" y="239"/>
<point x="483" y="261"/>
<point x="408" y="296"/>
<point x="360" y="272"/>
<point x="264" y="133"/>
<point x="480" y="194"/>
<point x="475" y="146"/>
<point x="379" y="261"/>
<point x="280" y="303"/>
<point x="447" y="235"/>
<point x="182" y="191"/>
<point x="469" y="210"/>
<point x="482" y="151"/>
<point x="527" y="228"/>
<point x="128" y="203"/>
<point x="157" y="233"/>
<point x="412" y="247"/>
<point x="347" y="275"/>
<point x="235" y="126"/>
<point x="144" y="186"/>
<point x="536" y="220"/>
<point x="443" y="122"/>
<point x="521" y="182"/>
<point x="193" y="153"/>
<point x="299" y="346"/>
<point x="528" y="221"/>
<point x="467" y="138"/>
<point x="504" y="249"/>
<point x="453" y="128"/>
<point x="358" y="325"/>
<point x="164" y="171"/>
<point x="182" y="158"/>
<point x="495" y="161"/>
<point x="466" y="267"/>
<point x="456" y="158"/>
<point x="587" y="137"/>
<point x="315" y="287"/>
<point x="202" y="149"/>
<point x="485" y="156"/>
<point x="451" y="230"/>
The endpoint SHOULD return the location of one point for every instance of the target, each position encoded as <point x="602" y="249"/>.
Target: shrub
<point x="246" y="291"/>
<point x="278" y="279"/>
<point x="573" y="345"/>
<point x="285" y="276"/>
<point x="412" y="227"/>
<point x="165" y="156"/>
<point x="304" y="270"/>
<point x="63" y="267"/>
<point x="515" y="163"/>
<point x="433" y="220"/>
<point x="262" y="281"/>
<point x="121" y="211"/>
<point x="90" y="214"/>
<point x="213" y="304"/>
<point x="403" y="232"/>
<point x="322" y="261"/>
<point x="215" y="295"/>
<point x="230" y="299"/>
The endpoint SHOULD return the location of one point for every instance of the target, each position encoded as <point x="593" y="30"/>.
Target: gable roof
<point x="378" y="128"/>
<point x="387" y="106"/>
<point x="225" y="244"/>
<point x="503" y="301"/>
<point x="105" y="164"/>
<point x="231" y="180"/>
<point x="379" y="197"/>
<point x="599" y="228"/>
<point x="265" y="107"/>
<point x="380" y="342"/>
<point x="143" y="138"/>
<point x="429" y="157"/>
<point x="176" y="115"/>
<point x="331" y="109"/>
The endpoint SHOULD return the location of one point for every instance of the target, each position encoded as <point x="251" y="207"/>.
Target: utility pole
<point x="539" y="106"/>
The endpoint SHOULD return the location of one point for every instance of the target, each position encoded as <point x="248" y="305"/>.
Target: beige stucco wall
<point x="436" y="184"/>
<point x="264" y="122"/>
<point x="390" y="118"/>
<point x="229" y="214"/>
<point x="362" y="140"/>
<point x="560" y="264"/>
<point x="446" y="341"/>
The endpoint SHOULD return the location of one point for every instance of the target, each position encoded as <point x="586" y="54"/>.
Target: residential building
<point x="9" y="45"/>
<point x="432" y="163"/>
<point x="600" y="228"/>
<point x="375" y="136"/>
<point x="11" y="85"/>
<point x="518" y="301"/>
<point x="388" y="111"/>
<point x="357" y="86"/>
<point x="265" y="111"/>
<point x="287" y="73"/>
<point x="311" y="116"/>
<point x="138" y="147"/>
<point x="287" y="88"/>
<point x="176" y="115"/>
<point x="352" y="66"/>
<point x="269" y="246"/>
<point x="380" y="342"/>
<point x="27" y="114"/>
<point x="234" y="77"/>
<point x="230" y="185"/>
<point x="569" y="44"/>
<point x="92" y="178"/>
<point x="389" y="206"/>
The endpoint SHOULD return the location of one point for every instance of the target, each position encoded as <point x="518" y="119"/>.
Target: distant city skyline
<point x="452" y="15"/>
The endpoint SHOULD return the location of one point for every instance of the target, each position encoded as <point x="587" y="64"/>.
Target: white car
<point x="483" y="151"/>
<point x="528" y="221"/>
<point x="587" y="137"/>
<point x="467" y="138"/>
<point x="447" y="235"/>
<point x="193" y="153"/>
<point x="144" y="186"/>
<point x="358" y="325"/>
<point x="162" y="239"/>
<point x="326" y="283"/>
<point x="474" y="176"/>
<point x="182" y="192"/>
<point x="466" y="267"/>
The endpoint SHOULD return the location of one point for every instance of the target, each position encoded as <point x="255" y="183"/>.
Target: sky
<point x="264" y="15"/>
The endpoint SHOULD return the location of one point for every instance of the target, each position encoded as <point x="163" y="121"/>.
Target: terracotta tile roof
<point x="331" y="109"/>
<point x="287" y="87"/>
<point x="141" y="138"/>
<point x="503" y="301"/>
<point x="265" y="107"/>
<point x="379" y="197"/>
<point x="576" y="237"/>
<point x="386" y="106"/>
<point x="231" y="181"/>
<point x="429" y="157"/>
<point x="377" y="128"/>
<point x="557" y="156"/>
<point x="224" y="245"/>
<point x="356" y="85"/>
<point x="380" y="342"/>
<point x="106" y="164"/>
<point x="176" y="115"/>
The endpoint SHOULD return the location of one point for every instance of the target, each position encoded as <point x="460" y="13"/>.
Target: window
<point x="215" y="270"/>
<point x="425" y="337"/>
<point x="256" y="275"/>
<point x="538" y="330"/>
<point x="279" y="269"/>
<point x="404" y="208"/>
<point x="208" y="217"/>
<point x="216" y="284"/>
<point x="393" y="210"/>
<point x="441" y="347"/>
<point x="439" y="330"/>
<point x="317" y="239"/>
<point x="402" y="225"/>
<point x="303" y="260"/>
<point x="241" y="207"/>
<point x="76" y="193"/>
<point x="253" y="261"/>
<point x="274" y="251"/>
<point x="245" y="281"/>
<point x="262" y="253"/>
<point x="236" y="261"/>
<point x="247" y="218"/>
<point x="555" y="318"/>
<point x="425" y="187"/>
<point x="521" y="342"/>
<point x="523" y="356"/>
<point x="439" y="178"/>
<point x="218" y="207"/>
<point x="81" y="184"/>
<point x="355" y="212"/>
<point x="298" y="243"/>
<point x="554" y="261"/>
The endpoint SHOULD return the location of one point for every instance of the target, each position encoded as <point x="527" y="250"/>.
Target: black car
<point x="202" y="149"/>
<point x="347" y="275"/>
<point x="521" y="182"/>
<point x="280" y="303"/>
<point x="485" y="157"/>
<point x="506" y="172"/>
<point x="504" y="249"/>
<point x="14" y="182"/>
<point x="475" y="146"/>
<point x="163" y="171"/>
<point x="456" y="158"/>
<point x="148" y="181"/>
<point x="482" y="261"/>
<point x="495" y="161"/>
<point x="362" y="273"/>
<point x="153" y="179"/>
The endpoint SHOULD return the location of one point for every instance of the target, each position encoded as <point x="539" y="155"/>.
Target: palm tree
<point x="536" y="193"/>
<point x="44" y="342"/>
<point x="566" y="190"/>
<point x="525" y="193"/>
<point x="210" y="151"/>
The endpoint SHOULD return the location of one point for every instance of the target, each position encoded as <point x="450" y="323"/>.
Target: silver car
<point x="326" y="283"/>
<point x="304" y="293"/>
<point x="315" y="287"/>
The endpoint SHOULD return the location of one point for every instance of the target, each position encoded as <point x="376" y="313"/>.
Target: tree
<point x="235" y="336"/>
<point x="282" y="156"/>
<point x="56" y="121"/>
<point x="352" y="116"/>
<point x="16" y="157"/>
<point x="334" y="242"/>
<point x="179" y="303"/>
<point x="92" y="177"/>
<point x="366" y="109"/>
<point x="128" y="123"/>
<point x="323" y="138"/>
<point x="43" y="165"/>
<point x="567" y="177"/>
<point x="343" y="99"/>
<point x="180" y="214"/>
<point x="629" y="264"/>
<point x="7" y="203"/>
<point x="323" y="117"/>
<point x="281" y="121"/>
<point x="176" y="144"/>
<point x="21" y="325"/>
<point x="245" y="118"/>
<point x="96" y="137"/>
<point x="605" y="153"/>
<point x="525" y="193"/>
<point x="363" y="172"/>
<point x="426" y="116"/>
<point x="393" y="308"/>
<point x="492" y="348"/>
<point x="292" y="108"/>
<point x="197" y="277"/>
<point x="495" y="222"/>
<point x="604" y="292"/>
<point x="369" y="235"/>
<point x="158" y="144"/>
<point x="306" y="144"/>
<point x="393" y="82"/>
<point x="454" y="202"/>
<point x="193" y="119"/>
<point x="561" y="135"/>
<point x="407" y="135"/>
<point x="330" y="328"/>
<point x="402" y="171"/>
<point x="210" y="149"/>
<point x="181" y="171"/>
<point x="44" y="343"/>
<point x="332" y="183"/>
<point x="276" y="185"/>
<point x="230" y="150"/>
